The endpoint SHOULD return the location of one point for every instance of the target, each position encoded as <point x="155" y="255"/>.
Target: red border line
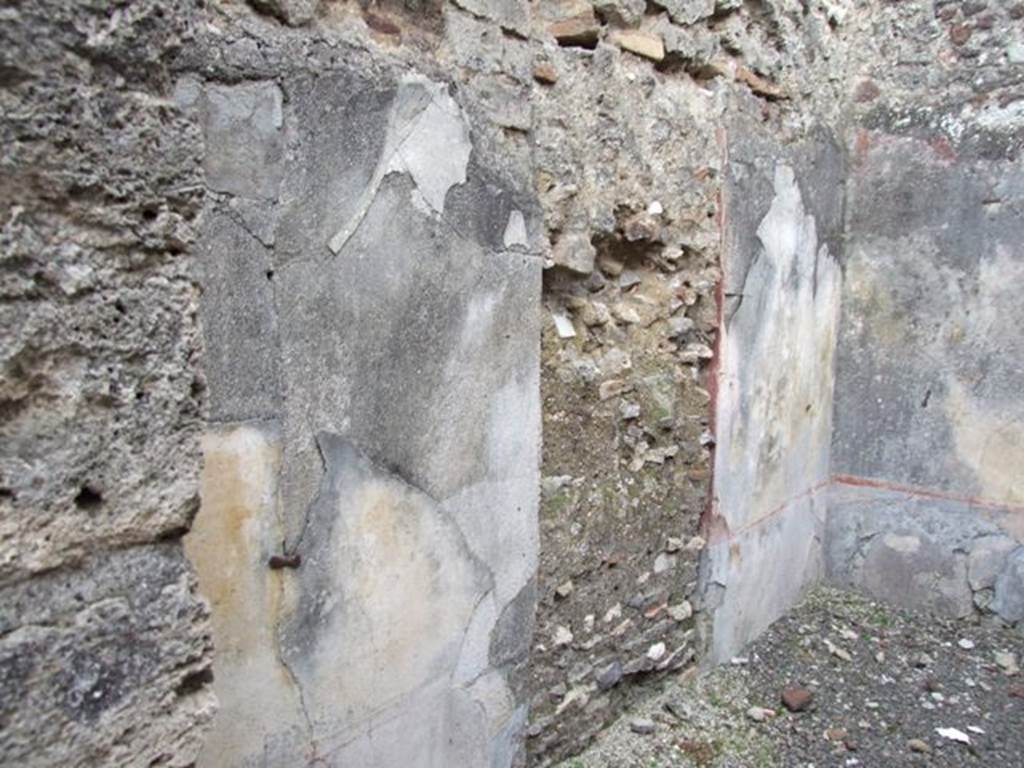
<point x="714" y="368"/>
<point x="928" y="493"/>
<point x="720" y="535"/>
<point x="775" y="512"/>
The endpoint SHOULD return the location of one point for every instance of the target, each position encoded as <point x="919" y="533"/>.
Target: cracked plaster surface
<point x="361" y="443"/>
<point x="427" y="138"/>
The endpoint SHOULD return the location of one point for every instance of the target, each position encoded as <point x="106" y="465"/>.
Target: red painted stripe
<point x="729" y="535"/>
<point x="714" y="367"/>
<point x="721" y="533"/>
<point x="926" y="493"/>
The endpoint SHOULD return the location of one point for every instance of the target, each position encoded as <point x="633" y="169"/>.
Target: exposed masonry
<point x="770" y="253"/>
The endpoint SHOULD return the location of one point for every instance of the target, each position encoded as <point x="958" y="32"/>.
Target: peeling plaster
<point x="428" y="139"/>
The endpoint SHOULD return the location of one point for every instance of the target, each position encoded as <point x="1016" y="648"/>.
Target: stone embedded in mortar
<point x="611" y="388"/>
<point x="625" y="313"/>
<point x="579" y="29"/>
<point x="511" y="15"/>
<point x="664" y="562"/>
<point x="642" y="725"/>
<point x="563" y="636"/>
<point x="575" y="252"/>
<point x="687" y="11"/>
<point x="762" y="86"/>
<point x="609" y="677"/>
<point x="611" y="266"/>
<point x="545" y="74"/>
<point x="643" y="227"/>
<point x="292" y="12"/>
<point x="696" y="47"/>
<point x="646" y="44"/>
<point x="629" y="278"/>
<point x="628" y="410"/>
<point x="1008" y="602"/>
<point x="986" y="560"/>
<point x="622" y="12"/>
<point x="682" y="611"/>
<point x="595" y="313"/>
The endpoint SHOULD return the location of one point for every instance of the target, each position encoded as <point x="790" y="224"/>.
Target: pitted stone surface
<point x="106" y="664"/>
<point x="104" y="647"/>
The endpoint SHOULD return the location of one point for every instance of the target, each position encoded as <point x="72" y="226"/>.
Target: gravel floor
<point x="882" y="684"/>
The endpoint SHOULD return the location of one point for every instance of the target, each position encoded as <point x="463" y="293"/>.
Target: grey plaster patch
<point x="239" y="321"/>
<point x="513" y="631"/>
<point x="914" y="551"/>
<point x="244" y="129"/>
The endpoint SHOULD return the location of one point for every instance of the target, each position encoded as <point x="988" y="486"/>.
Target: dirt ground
<point x="882" y="683"/>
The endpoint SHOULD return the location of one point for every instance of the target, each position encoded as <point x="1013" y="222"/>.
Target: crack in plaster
<point x="310" y="504"/>
<point x="297" y="685"/>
